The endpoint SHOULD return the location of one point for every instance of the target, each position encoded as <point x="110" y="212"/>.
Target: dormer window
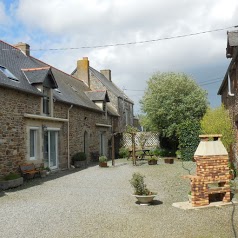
<point x="46" y="100"/>
<point x="7" y="73"/>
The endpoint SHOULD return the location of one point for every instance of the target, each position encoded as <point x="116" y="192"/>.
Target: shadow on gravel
<point x="39" y="181"/>
<point x="153" y="203"/>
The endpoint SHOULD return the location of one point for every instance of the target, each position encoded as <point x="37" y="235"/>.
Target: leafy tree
<point x="146" y="123"/>
<point x="170" y="99"/>
<point x="218" y="121"/>
<point x="188" y="135"/>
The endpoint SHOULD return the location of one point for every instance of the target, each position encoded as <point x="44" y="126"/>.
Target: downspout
<point x="68" y="138"/>
<point x="229" y="86"/>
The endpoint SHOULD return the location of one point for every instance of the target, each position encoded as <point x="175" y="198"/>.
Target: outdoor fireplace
<point x="212" y="179"/>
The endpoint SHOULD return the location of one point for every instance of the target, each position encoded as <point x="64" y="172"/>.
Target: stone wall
<point x="14" y="130"/>
<point x="12" y="127"/>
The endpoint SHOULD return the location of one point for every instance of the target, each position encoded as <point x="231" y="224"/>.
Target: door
<point x="51" y="149"/>
<point x="102" y="143"/>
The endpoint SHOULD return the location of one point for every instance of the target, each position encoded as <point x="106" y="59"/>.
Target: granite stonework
<point x="122" y="104"/>
<point x="12" y="130"/>
<point x="14" y="149"/>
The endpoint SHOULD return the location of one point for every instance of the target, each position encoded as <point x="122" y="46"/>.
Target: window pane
<point x="46" y="105"/>
<point x="8" y="73"/>
<point x="32" y="143"/>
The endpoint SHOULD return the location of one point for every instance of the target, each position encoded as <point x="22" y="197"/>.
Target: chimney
<point x="83" y="70"/>
<point x="106" y="73"/>
<point x="25" y="48"/>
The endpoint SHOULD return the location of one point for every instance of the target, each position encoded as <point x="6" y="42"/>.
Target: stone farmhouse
<point x="47" y="115"/>
<point x="229" y="87"/>
<point x="119" y="102"/>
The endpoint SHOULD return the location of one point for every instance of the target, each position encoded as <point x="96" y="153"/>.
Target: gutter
<point x="227" y="72"/>
<point x="68" y="137"/>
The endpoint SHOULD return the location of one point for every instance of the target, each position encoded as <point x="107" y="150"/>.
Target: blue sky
<point x="61" y="24"/>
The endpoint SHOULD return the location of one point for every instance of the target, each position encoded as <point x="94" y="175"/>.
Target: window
<point x="46" y="101"/>
<point x="8" y="73"/>
<point x="33" y="143"/>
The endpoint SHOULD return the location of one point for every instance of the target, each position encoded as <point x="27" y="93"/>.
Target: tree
<point x="218" y="121"/>
<point x="170" y="99"/>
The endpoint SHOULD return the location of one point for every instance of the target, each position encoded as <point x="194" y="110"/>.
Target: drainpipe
<point x="68" y="138"/>
<point x="229" y="86"/>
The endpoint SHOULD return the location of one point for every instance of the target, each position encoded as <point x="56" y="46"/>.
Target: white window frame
<point x="36" y="134"/>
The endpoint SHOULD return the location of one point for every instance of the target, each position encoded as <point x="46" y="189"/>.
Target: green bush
<point x="218" y="121"/>
<point x="152" y="158"/>
<point x="123" y="152"/>
<point x="103" y="159"/>
<point x="188" y="138"/>
<point x="164" y="152"/>
<point x="12" y="176"/>
<point x="137" y="182"/>
<point x="79" y="156"/>
<point x="139" y="153"/>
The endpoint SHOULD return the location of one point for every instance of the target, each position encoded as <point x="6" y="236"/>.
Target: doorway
<point x="51" y="149"/>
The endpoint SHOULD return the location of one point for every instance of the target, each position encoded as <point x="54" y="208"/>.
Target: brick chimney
<point x="106" y="73"/>
<point x="83" y="70"/>
<point x="25" y="48"/>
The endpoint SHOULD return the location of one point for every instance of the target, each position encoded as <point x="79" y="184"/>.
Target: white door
<point x="51" y="149"/>
<point x="102" y="143"/>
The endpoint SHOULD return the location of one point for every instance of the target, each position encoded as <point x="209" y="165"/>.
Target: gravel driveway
<point x="97" y="202"/>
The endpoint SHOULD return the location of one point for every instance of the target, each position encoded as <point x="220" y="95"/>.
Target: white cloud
<point x="4" y="20"/>
<point x="77" y="23"/>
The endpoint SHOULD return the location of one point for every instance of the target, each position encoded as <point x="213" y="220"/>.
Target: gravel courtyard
<point x="97" y="202"/>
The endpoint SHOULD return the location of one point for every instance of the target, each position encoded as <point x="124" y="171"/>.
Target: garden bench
<point x="29" y="171"/>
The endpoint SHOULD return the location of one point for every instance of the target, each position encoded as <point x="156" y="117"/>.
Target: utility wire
<point x="135" y="42"/>
<point x="200" y="84"/>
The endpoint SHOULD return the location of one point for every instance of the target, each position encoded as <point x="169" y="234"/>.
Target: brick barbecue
<point x="212" y="179"/>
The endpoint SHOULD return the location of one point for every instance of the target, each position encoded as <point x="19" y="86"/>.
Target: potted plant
<point x="143" y="195"/>
<point x="151" y="153"/>
<point x="152" y="160"/>
<point x="44" y="171"/>
<point x="103" y="161"/>
<point x="11" y="180"/>
<point x="79" y="160"/>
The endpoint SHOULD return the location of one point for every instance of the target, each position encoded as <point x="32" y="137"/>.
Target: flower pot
<point x="80" y="164"/>
<point x="152" y="162"/>
<point x="145" y="199"/>
<point x="169" y="160"/>
<point x="6" y="184"/>
<point x="43" y="173"/>
<point x="103" y="164"/>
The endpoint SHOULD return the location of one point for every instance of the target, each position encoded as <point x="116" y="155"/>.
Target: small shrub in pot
<point x="79" y="159"/>
<point x="103" y="161"/>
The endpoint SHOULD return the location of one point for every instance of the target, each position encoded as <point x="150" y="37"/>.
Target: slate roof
<point x="38" y="75"/>
<point x="14" y="60"/>
<point x="109" y="85"/>
<point x="70" y="90"/>
<point x="232" y="40"/>
<point x="98" y="95"/>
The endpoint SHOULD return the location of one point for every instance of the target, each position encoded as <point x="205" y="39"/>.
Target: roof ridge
<point x="35" y="69"/>
<point x="58" y="69"/>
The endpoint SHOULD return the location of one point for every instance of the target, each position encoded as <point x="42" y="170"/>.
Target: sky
<point x="53" y="27"/>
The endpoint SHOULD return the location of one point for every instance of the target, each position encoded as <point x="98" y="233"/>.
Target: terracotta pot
<point x="152" y="162"/>
<point x="169" y="160"/>
<point x="103" y="164"/>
